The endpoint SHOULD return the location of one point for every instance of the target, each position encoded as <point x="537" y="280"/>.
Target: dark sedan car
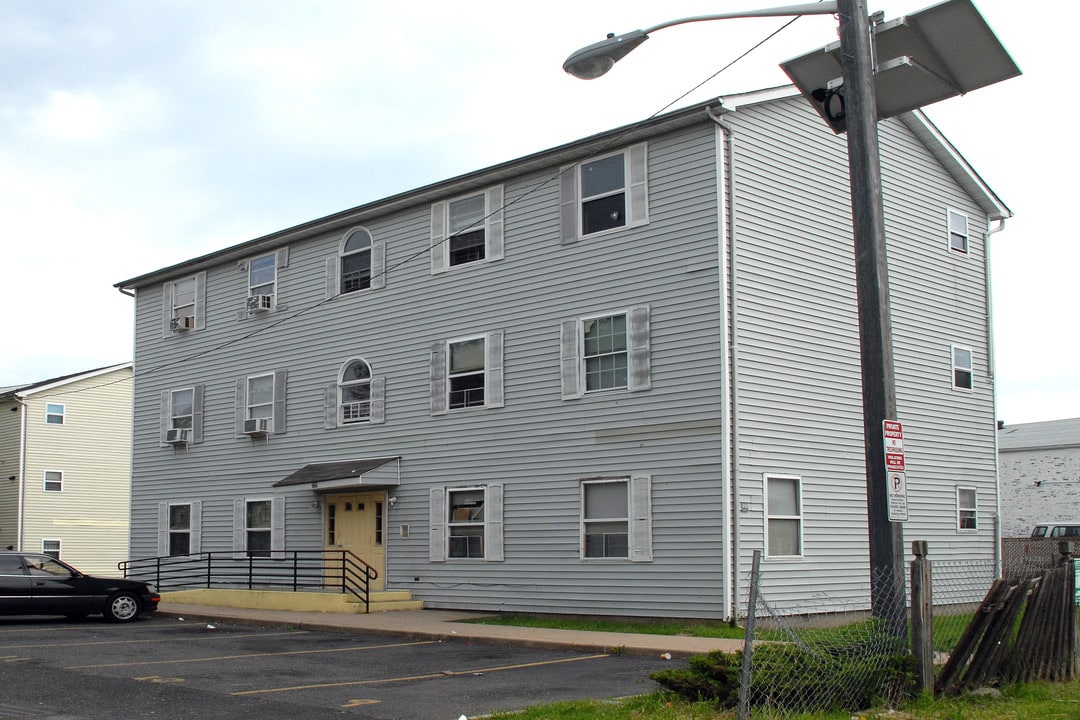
<point x="35" y="584"/>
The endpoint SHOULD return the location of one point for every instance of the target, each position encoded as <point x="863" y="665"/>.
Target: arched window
<point x="354" y="392"/>
<point x="356" y="261"/>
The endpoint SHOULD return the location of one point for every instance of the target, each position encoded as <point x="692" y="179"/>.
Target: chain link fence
<point x="833" y="654"/>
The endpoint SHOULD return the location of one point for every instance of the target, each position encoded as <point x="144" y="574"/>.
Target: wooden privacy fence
<point x="1025" y="629"/>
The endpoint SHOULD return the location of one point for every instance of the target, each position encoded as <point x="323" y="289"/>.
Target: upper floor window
<point x="962" y="368"/>
<point x="260" y="403"/>
<point x="958" y="232"/>
<point x="183" y="303"/>
<point x="467" y="229"/>
<point x="262" y="275"/>
<point x="467" y="373"/>
<point x="606" y="352"/>
<point x="181" y="415"/>
<point x="606" y="193"/>
<point x="54" y="414"/>
<point x="355" y="392"/>
<point x="967" y="514"/>
<point x="360" y="264"/>
<point x="356" y="261"/>
<point x="54" y="481"/>
<point x="783" y="501"/>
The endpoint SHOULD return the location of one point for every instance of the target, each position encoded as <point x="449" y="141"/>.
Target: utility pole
<point x="875" y="325"/>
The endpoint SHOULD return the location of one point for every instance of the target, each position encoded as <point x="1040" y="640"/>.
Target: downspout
<point x="729" y="351"/>
<point x="21" y="503"/>
<point x="992" y="369"/>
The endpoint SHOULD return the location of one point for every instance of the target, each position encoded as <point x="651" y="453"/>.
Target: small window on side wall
<point x="783" y="497"/>
<point x="967" y="513"/>
<point x="54" y="481"/>
<point x="54" y="414"/>
<point x="962" y="368"/>
<point x="958" y="232"/>
<point x="51" y="548"/>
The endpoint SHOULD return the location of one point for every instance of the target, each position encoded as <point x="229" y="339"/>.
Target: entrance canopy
<point x="346" y="475"/>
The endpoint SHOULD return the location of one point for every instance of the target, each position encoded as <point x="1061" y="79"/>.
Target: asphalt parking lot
<point x="168" y="668"/>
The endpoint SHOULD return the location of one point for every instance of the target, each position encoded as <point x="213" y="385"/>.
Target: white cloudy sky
<point x="137" y="134"/>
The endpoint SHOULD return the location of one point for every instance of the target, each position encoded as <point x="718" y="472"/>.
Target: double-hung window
<point x="604" y="194"/>
<point x="181" y="415"/>
<point x="183" y="303"/>
<point x="958" y="232"/>
<point x="258" y="528"/>
<point x="54" y="481"/>
<point x="967" y="514"/>
<point x="260" y="403"/>
<point x="51" y="548"/>
<point x="616" y="518"/>
<point x="466" y="523"/>
<point x="356" y="397"/>
<point x="783" y="498"/>
<point x="467" y="229"/>
<point x="54" y="414"/>
<point x="606" y="352"/>
<point x="962" y="368"/>
<point x="179" y="529"/>
<point x="262" y="275"/>
<point x="467" y="373"/>
<point x="182" y="409"/>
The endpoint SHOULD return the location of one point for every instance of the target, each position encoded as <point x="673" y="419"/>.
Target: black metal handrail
<point x="295" y="569"/>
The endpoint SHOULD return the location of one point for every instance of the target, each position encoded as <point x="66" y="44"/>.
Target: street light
<point x="858" y="117"/>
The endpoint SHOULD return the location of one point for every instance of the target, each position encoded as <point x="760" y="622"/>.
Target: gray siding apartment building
<point x="591" y="380"/>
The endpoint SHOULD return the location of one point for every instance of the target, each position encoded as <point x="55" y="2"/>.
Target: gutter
<point x="992" y="371"/>
<point x="21" y="502"/>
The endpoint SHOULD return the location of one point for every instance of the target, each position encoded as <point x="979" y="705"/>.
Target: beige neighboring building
<point x="65" y="467"/>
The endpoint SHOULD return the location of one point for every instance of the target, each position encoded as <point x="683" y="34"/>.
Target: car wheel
<point x="122" y="607"/>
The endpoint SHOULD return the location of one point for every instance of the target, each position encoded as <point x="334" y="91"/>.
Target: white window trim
<point x="168" y="311"/>
<point x="439" y="543"/>
<point x="954" y="367"/>
<point x="638" y="520"/>
<point x="194" y="529"/>
<point x="638" y="351"/>
<point x="494" y="240"/>
<point x="974" y="508"/>
<point x="493" y="373"/>
<point x="277" y="524"/>
<point x="635" y="185"/>
<point x="801" y="517"/>
<point x="45" y="481"/>
<point x="950" y="212"/>
<point x="59" y="547"/>
<point x="62" y="414"/>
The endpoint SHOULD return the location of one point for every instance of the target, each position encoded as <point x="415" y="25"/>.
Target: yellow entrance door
<point x="357" y="522"/>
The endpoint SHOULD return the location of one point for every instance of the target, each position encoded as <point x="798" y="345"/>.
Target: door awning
<point x="346" y="475"/>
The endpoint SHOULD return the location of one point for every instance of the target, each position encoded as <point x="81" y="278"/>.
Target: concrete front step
<point x="297" y="601"/>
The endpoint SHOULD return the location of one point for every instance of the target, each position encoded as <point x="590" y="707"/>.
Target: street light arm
<point x="594" y="60"/>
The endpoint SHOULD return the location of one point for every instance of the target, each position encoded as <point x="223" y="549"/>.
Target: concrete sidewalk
<point x="451" y="625"/>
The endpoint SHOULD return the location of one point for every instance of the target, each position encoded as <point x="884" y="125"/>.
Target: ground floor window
<point x="967" y="514"/>
<point x="258" y="528"/>
<point x="465" y="524"/>
<point x="784" y="519"/>
<point x="179" y="529"/>
<point x="51" y="548"/>
<point x="606" y="520"/>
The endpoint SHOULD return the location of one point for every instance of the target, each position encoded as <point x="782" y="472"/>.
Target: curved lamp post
<point x="871" y="276"/>
<point x="594" y="60"/>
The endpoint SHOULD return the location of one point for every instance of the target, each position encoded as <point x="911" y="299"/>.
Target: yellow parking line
<point x="448" y="673"/>
<point x="170" y="640"/>
<point x="248" y="656"/>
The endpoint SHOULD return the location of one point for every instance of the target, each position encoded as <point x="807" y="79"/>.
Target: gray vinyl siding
<point x="799" y="399"/>
<point x="797" y="410"/>
<point x="538" y="446"/>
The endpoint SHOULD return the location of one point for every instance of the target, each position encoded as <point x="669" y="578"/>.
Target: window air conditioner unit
<point x="182" y="323"/>
<point x="257" y="426"/>
<point x="178" y="436"/>
<point x="260" y="303"/>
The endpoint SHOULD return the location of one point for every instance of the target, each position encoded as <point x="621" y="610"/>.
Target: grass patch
<point x="696" y="628"/>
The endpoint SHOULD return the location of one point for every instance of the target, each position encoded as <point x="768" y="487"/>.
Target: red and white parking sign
<point x="894" y="445"/>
